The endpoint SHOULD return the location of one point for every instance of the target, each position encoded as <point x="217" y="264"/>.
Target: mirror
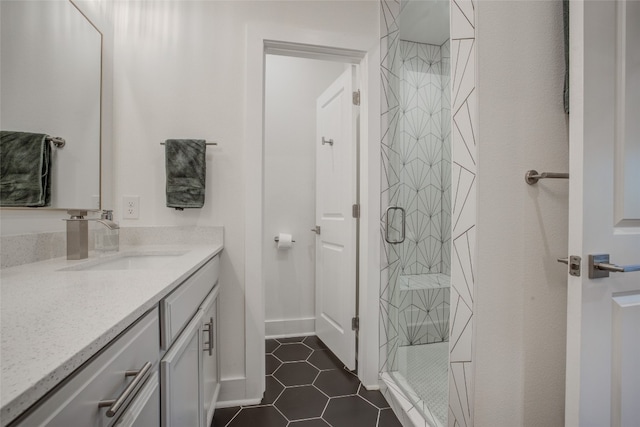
<point x="50" y="83"/>
<point x="416" y="203"/>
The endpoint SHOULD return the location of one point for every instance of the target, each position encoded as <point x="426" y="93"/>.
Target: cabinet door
<point x="144" y="411"/>
<point x="210" y="368"/>
<point x="180" y="374"/>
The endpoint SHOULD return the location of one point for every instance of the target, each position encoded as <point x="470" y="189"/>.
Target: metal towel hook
<point x="56" y="141"/>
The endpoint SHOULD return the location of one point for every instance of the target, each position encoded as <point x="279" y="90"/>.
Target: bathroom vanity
<point x="128" y="339"/>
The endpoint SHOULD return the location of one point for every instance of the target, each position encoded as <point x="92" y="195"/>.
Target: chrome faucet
<point x="78" y="232"/>
<point x="106" y="218"/>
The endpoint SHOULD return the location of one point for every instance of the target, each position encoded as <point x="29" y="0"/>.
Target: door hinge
<point x="355" y="211"/>
<point x="356" y="97"/>
<point x="355" y="323"/>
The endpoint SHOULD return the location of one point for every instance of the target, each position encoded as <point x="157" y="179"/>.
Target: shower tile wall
<point x="422" y="161"/>
<point x="423" y="165"/>
<point x="416" y="161"/>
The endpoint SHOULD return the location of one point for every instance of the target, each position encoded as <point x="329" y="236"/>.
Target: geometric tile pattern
<point x="459" y="58"/>
<point x="309" y="387"/>
<point x="421" y="157"/>
<point x="423" y="315"/>
<point x="463" y="216"/>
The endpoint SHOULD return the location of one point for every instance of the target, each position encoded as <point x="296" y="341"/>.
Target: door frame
<point x="265" y="39"/>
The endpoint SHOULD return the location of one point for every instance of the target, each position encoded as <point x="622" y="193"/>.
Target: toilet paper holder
<point x="277" y="239"/>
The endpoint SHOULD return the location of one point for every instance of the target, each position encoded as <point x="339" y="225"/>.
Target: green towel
<point x="25" y="166"/>
<point x="185" y="161"/>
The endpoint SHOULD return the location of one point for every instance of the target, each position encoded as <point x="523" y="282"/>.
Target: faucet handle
<point x="77" y="214"/>
<point x="107" y="214"/>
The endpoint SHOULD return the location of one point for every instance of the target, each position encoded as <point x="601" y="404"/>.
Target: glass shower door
<point x="416" y="206"/>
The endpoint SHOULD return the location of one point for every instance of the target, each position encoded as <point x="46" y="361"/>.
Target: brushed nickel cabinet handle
<point x="115" y="405"/>
<point x="209" y="330"/>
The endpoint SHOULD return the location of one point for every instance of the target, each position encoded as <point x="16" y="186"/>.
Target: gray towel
<point x="185" y="161"/>
<point x="25" y="165"/>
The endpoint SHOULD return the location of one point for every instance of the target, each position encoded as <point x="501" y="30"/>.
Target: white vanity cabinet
<point x="109" y="385"/>
<point x="189" y="369"/>
<point x="162" y="371"/>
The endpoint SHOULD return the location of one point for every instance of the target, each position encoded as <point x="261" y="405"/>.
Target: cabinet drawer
<point x="179" y="307"/>
<point x="76" y="402"/>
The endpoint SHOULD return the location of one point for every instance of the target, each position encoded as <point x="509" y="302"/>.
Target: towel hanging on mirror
<point x="185" y="163"/>
<point x="25" y="169"/>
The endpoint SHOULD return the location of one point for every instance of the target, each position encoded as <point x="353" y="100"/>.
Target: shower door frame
<point x="464" y="140"/>
<point x="291" y="41"/>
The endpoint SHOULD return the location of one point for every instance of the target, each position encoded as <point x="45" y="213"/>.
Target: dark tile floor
<point x="307" y="386"/>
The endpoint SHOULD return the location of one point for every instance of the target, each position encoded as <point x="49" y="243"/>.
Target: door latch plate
<point x="575" y="264"/>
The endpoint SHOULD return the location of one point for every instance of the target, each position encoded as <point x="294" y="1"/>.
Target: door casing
<point x="263" y="39"/>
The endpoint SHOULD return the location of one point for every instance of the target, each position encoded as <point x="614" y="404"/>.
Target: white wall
<point x="291" y="89"/>
<point x="521" y="289"/>
<point x="180" y="69"/>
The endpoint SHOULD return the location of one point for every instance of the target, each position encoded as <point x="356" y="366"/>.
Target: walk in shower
<point x="416" y="204"/>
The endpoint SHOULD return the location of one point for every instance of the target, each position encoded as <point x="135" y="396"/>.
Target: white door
<point x="603" y="328"/>
<point x="336" y="192"/>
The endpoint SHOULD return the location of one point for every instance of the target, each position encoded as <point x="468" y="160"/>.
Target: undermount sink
<point x="130" y="261"/>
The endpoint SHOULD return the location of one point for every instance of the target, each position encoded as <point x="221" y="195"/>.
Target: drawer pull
<point x="209" y="330"/>
<point x="116" y="404"/>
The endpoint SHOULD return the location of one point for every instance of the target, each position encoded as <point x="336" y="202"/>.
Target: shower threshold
<point x="420" y="385"/>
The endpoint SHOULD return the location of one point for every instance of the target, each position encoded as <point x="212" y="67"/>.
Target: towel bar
<point x="532" y="176"/>
<point x="56" y="141"/>
<point x="208" y="143"/>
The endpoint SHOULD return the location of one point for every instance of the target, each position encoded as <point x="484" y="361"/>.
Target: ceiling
<point x="425" y="21"/>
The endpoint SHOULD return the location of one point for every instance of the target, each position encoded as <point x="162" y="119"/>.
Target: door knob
<point x="599" y="266"/>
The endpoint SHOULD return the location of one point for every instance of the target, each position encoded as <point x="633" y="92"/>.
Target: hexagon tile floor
<point x="307" y="386"/>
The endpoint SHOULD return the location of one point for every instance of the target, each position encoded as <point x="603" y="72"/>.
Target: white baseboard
<point x="233" y="393"/>
<point x="234" y="403"/>
<point x="285" y="328"/>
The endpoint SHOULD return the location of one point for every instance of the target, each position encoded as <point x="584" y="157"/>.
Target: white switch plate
<point x="131" y="207"/>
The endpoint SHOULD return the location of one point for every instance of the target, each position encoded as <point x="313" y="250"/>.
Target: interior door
<point x="603" y="328"/>
<point x="336" y="192"/>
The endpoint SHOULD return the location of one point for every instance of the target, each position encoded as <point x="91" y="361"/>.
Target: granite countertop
<point x="54" y="318"/>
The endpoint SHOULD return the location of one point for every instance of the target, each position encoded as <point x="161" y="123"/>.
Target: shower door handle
<point x="402" y="227"/>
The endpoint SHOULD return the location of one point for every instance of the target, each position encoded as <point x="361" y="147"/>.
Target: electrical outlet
<point x="131" y="207"/>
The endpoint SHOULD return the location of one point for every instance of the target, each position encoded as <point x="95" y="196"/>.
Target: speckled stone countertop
<point x="54" y="319"/>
